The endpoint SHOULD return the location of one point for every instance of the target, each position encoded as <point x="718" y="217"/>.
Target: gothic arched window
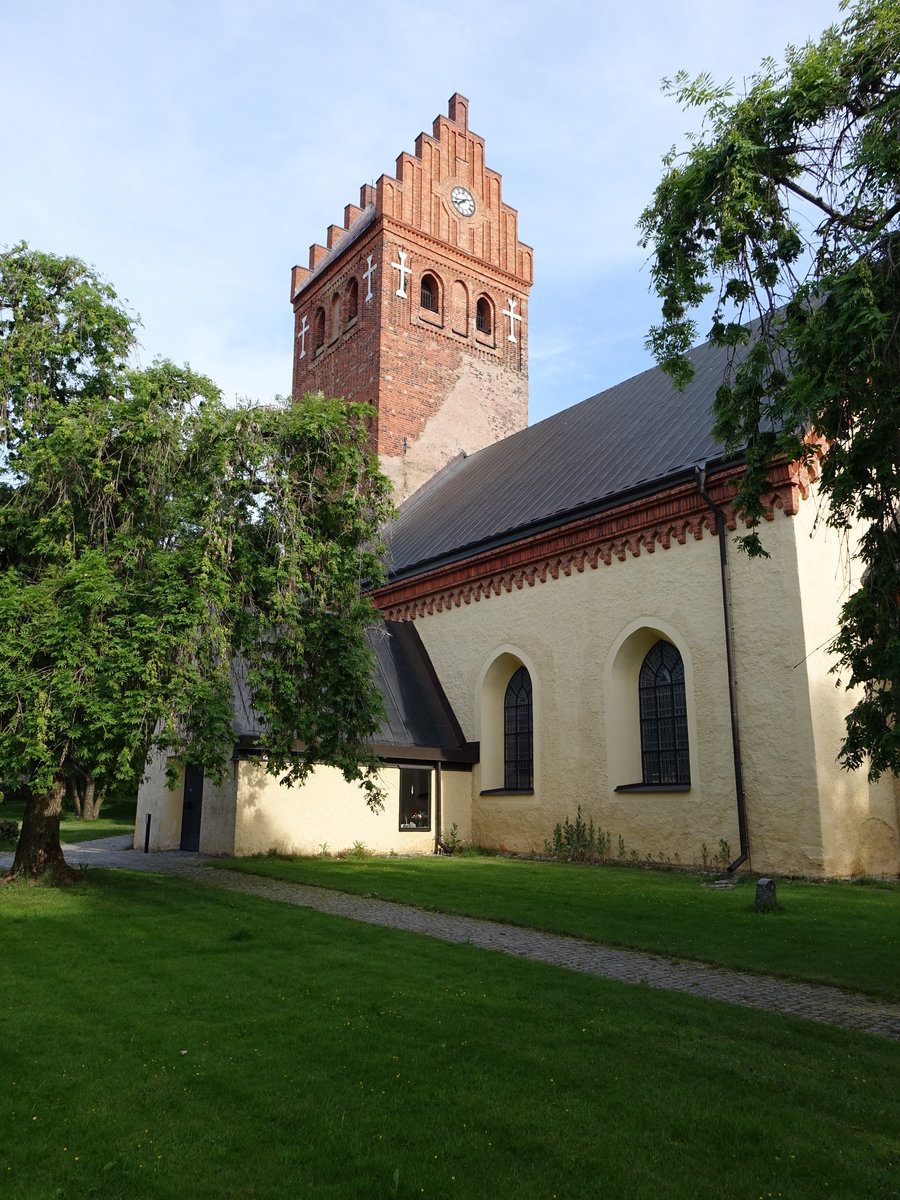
<point x="518" y="748"/>
<point x="352" y="301"/>
<point x="665" y="757"/>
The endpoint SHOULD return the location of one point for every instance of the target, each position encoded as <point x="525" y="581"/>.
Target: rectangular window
<point x="415" y="799"/>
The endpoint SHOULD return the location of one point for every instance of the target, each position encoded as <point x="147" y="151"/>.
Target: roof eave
<point x="564" y="517"/>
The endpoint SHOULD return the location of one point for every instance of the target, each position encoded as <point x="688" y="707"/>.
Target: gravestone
<point x="765" y="895"/>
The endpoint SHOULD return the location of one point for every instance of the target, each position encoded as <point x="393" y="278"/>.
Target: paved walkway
<point x="829" y="1005"/>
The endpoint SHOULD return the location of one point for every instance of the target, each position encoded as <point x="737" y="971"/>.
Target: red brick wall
<point x="436" y="381"/>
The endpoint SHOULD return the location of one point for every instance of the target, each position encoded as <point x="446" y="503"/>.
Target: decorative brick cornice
<point x="671" y="515"/>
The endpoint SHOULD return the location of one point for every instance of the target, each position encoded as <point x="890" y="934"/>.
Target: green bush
<point x="575" y="841"/>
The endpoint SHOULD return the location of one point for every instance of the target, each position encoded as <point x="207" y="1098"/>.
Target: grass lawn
<point x="162" y="1039"/>
<point x="844" y="934"/>
<point x="116" y="817"/>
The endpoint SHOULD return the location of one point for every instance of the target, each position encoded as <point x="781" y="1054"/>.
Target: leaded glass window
<point x="518" y="750"/>
<point x="665" y="757"/>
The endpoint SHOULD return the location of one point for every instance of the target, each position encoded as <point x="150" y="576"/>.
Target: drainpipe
<point x="438" y="844"/>
<point x="719" y="515"/>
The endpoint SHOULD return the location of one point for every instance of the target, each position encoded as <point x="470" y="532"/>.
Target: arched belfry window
<point x="335" y="317"/>
<point x="518" y="741"/>
<point x="429" y="293"/>
<point x="352" y="301"/>
<point x="484" y="322"/>
<point x="319" y="326"/>
<point x="665" y="756"/>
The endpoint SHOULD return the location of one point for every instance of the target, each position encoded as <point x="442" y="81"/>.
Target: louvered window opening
<point x="429" y="294"/>
<point x="665" y="756"/>
<point x="518" y="744"/>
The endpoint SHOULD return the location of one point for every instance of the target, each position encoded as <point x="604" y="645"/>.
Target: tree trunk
<point x="92" y="805"/>
<point x="72" y="790"/>
<point x="39" y="851"/>
<point x="85" y="796"/>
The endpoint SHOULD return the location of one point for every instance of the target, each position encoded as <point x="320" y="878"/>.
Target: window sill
<point x="506" y="792"/>
<point x="430" y="318"/>
<point x="653" y="787"/>
<point x="415" y="829"/>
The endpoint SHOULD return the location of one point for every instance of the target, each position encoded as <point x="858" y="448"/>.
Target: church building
<point x="568" y="622"/>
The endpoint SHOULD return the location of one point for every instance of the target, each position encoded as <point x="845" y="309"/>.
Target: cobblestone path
<point x="829" y="1005"/>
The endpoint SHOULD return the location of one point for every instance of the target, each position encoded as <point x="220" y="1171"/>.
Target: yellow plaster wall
<point x="860" y="820"/>
<point x="217" y="818"/>
<point x="567" y="633"/>
<point x="582" y="638"/>
<point x="777" y="735"/>
<point x="163" y="805"/>
<point x="327" y="811"/>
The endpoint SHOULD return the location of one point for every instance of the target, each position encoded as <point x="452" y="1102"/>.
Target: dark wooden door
<point x="192" y="808"/>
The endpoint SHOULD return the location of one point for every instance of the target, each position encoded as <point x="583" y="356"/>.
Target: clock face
<point x="463" y="201"/>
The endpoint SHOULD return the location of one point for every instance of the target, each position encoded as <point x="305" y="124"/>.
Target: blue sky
<point x="192" y="151"/>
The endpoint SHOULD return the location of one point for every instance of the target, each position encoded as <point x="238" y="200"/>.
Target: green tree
<point x="786" y="208"/>
<point x="151" y="538"/>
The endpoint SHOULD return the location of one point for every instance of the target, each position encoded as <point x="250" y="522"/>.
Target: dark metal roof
<point x="419" y="723"/>
<point x="418" y="713"/>
<point x="623" y="441"/>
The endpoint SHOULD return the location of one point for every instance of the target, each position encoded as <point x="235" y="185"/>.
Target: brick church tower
<point x="418" y="305"/>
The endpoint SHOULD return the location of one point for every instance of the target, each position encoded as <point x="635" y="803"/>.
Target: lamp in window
<point x="415" y="799"/>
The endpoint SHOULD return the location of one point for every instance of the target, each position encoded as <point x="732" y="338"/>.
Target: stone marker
<point x="765" y="895"/>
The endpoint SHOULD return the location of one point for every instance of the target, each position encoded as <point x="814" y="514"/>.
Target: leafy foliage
<point x="787" y="208"/>
<point x="151" y="538"/>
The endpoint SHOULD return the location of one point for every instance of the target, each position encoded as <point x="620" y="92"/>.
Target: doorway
<point x="192" y="807"/>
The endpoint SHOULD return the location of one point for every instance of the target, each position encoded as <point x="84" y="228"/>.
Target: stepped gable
<point x="418" y="196"/>
<point x="417" y="305"/>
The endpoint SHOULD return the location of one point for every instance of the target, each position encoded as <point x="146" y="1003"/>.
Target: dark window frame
<point x="418" y="816"/>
